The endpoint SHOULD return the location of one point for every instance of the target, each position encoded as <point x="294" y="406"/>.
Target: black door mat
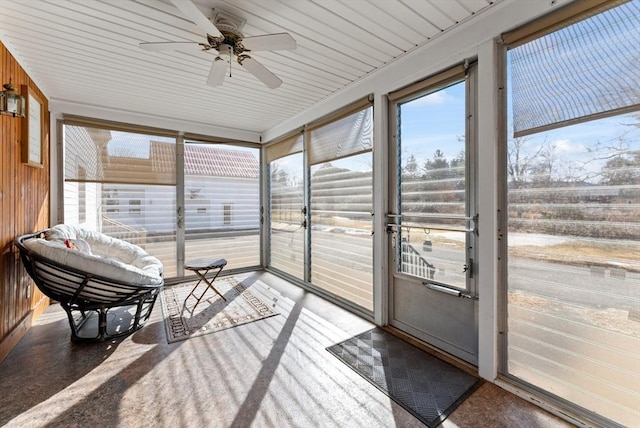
<point x="424" y="385"/>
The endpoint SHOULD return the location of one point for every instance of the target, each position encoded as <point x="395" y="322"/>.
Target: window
<point x="341" y="226"/>
<point x="82" y="192"/>
<point x="321" y="205"/>
<point x="222" y="203"/>
<point x="122" y="169"/>
<point x="286" y="213"/>
<point x="341" y="202"/>
<point x="573" y="203"/>
<point x="434" y="202"/>
<point x="131" y="190"/>
<point x="134" y="205"/>
<point x="227" y="214"/>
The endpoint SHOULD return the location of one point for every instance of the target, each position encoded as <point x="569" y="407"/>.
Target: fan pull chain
<point x="230" y="61"/>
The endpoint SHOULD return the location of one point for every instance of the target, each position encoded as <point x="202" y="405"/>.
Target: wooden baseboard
<point x="18" y="332"/>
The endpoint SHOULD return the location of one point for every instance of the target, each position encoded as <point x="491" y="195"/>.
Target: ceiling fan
<point x="225" y="40"/>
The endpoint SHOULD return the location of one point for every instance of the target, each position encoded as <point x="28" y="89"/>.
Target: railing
<point x="414" y="264"/>
<point x="119" y="230"/>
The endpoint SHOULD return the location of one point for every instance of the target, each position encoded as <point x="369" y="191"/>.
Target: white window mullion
<point x="180" y="206"/>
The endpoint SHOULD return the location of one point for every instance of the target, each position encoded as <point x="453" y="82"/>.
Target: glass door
<point x="432" y="287"/>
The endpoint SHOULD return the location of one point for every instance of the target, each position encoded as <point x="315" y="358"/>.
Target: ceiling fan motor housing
<point x="229" y="26"/>
<point x="229" y="39"/>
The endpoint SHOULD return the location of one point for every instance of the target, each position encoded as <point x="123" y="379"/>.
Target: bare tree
<point x="544" y="167"/>
<point x="519" y="163"/>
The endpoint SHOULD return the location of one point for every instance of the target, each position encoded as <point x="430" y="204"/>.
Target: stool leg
<point x="209" y="284"/>
<point x="194" y="288"/>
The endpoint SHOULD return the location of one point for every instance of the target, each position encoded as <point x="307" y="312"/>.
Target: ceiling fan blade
<point x="260" y="71"/>
<point x="192" y="12"/>
<point x="171" y="46"/>
<point x="270" y="42"/>
<point x="218" y="72"/>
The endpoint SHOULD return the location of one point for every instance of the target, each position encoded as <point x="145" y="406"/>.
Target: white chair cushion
<point x="107" y="257"/>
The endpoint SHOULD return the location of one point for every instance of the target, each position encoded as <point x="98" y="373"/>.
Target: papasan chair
<point x="106" y="286"/>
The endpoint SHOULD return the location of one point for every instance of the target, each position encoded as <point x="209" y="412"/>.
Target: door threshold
<point x="430" y="349"/>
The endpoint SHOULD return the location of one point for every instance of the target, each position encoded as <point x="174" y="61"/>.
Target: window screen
<point x="285" y="147"/>
<point x="587" y="70"/>
<point x="100" y="155"/>
<point x="348" y="136"/>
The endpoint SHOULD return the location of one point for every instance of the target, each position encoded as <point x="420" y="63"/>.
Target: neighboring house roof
<point x="205" y="160"/>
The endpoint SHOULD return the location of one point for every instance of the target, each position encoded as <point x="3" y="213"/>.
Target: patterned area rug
<point x="212" y="314"/>
<point x="424" y="385"/>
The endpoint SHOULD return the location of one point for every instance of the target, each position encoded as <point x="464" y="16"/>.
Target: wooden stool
<point x="201" y="267"/>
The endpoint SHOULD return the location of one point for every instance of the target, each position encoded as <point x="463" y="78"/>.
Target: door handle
<point x="448" y="290"/>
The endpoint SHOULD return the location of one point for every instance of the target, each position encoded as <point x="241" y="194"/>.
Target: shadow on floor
<point x="30" y="365"/>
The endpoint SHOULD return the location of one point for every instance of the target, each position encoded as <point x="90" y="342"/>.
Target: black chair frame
<point x="82" y="293"/>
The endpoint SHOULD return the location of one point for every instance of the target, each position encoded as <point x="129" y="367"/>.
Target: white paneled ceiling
<point x="86" y="52"/>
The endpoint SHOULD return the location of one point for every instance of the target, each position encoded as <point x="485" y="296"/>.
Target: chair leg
<point x="102" y="324"/>
<point x="77" y="326"/>
<point x="72" y="323"/>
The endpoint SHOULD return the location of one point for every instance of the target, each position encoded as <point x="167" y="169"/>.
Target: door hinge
<point x="180" y="217"/>
<point x="303" y="211"/>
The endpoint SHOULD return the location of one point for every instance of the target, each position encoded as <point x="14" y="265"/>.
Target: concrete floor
<point x="273" y="372"/>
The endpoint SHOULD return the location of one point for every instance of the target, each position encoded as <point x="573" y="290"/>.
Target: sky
<point x="434" y="122"/>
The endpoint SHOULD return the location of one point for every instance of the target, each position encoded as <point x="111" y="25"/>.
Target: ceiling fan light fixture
<point x="225" y="49"/>
<point x="218" y="72"/>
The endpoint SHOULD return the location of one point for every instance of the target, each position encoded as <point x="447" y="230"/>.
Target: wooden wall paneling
<point x="4" y="171"/>
<point x="24" y="208"/>
<point x="17" y="204"/>
<point x="14" y="207"/>
<point x="7" y="198"/>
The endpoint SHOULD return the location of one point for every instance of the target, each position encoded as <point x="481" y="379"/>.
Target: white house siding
<point x="206" y="198"/>
<point x="82" y="200"/>
<point x="152" y="208"/>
